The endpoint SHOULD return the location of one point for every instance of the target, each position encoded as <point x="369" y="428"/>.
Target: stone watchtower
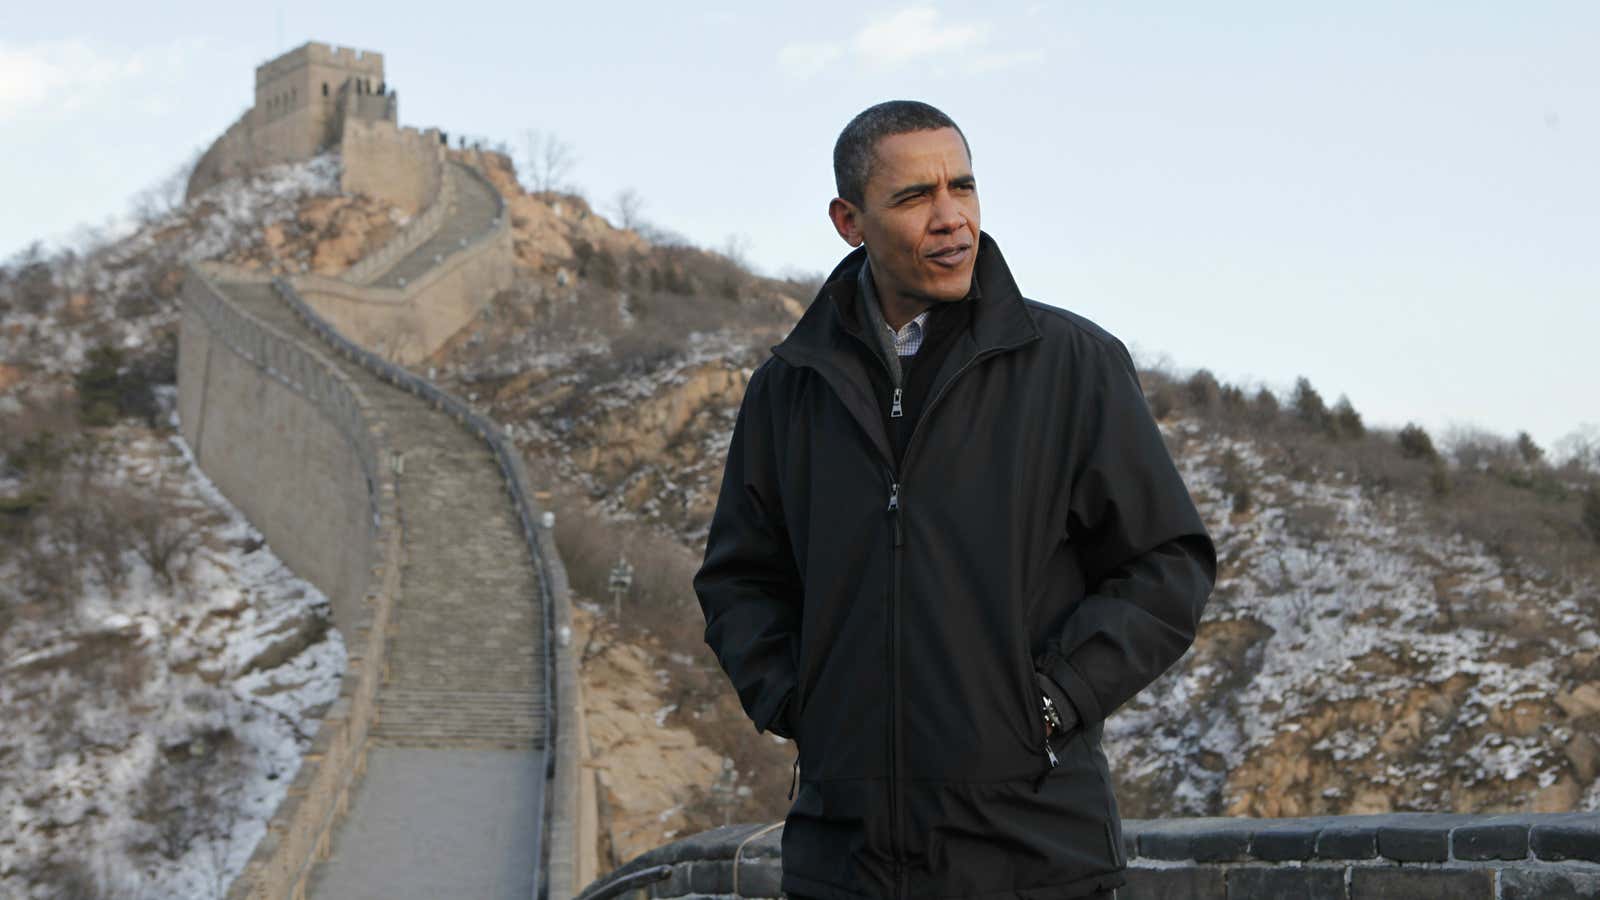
<point x="302" y="100"/>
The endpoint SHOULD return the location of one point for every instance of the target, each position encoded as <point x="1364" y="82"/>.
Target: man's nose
<point x="947" y="213"/>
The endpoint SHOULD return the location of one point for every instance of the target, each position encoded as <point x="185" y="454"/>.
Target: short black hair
<point x="858" y="142"/>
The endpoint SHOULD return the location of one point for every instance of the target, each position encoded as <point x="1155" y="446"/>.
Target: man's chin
<point x="949" y="290"/>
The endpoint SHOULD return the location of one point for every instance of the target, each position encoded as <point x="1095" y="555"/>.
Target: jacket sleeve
<point x="1148" y="562"/>
<point x="748" y="585"/>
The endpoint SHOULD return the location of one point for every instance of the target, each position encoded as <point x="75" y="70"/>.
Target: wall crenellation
<point x="302" y="100"/>
<point x="365" y="62"/>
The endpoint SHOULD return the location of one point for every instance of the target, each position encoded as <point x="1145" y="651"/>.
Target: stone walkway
<point x="476" y="204"/>
<point x="461" y="717"/>
<point x="437" y="824"/>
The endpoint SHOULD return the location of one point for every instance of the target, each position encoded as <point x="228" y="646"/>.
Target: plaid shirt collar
<point x="908" y="340"/>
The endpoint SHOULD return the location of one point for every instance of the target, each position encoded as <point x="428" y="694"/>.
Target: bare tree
<point x="737" y="250"/>
<point x="550" y="161"/>
<point x="167" y="195"/>
<point x="1581" y="448"/>
<point x="628" y="205"/>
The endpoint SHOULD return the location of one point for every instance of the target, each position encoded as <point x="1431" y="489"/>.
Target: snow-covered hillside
<point x="161" y="672"/>
<point x="1352" y="659"/>
<point x="153" y="726"/>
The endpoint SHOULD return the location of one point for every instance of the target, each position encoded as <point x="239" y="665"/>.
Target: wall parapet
<point x="300" y="829"/>
<point x="1510" y="856"/>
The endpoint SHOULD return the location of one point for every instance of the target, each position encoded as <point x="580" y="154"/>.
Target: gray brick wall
<point x="1397" y="856"/>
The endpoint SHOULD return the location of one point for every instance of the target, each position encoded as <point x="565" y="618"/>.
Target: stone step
<point x="460" y="718"/>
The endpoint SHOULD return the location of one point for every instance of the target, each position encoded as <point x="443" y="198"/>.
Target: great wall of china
<point x="440" y="769"/>
<point x="450" y="766"/>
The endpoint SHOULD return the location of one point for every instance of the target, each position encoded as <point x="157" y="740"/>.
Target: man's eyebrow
<point x="921" y="187"/>
<point x="911" y="189"/>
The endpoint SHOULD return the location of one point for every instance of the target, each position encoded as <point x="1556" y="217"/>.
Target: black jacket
<point x="891" y="618"/>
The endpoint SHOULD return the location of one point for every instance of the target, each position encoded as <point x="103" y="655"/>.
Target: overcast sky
<point x="1402" y="205"/>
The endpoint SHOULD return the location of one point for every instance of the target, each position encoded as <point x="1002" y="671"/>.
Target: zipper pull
<point x="1050" y="754"/>
<point x="896" y="411"/>
<point x="894" y="510"/>
<point x="1055" y="761"/>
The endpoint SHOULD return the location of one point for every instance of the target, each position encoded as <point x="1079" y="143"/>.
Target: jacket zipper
<point x="895" y="511"/>
<point x="896" y="825"/>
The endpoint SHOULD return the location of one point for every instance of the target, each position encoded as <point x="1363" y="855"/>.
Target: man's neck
<point x="897" y="310"/>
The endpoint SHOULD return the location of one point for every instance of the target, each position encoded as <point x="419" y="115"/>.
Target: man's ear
<point x="846" y="220"/>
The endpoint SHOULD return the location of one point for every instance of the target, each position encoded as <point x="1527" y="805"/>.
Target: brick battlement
<point x="361" y="62"/>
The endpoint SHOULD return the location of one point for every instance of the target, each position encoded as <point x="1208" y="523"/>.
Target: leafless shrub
<point x="28" y="281"/>
<point x="160" y="531"/>
<point x="166" y="196"/>
<point x="70" y="879"/>
<point x="627" y="207"/>
<point x="86" y="523"/>
<point x="1477" y="450"/>
<point x="190" y="795"/>
<point x="549" y="161"/>
<point x="1309" y="521"/>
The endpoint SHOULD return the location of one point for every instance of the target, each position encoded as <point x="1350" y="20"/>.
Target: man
<point x="950" y="541"/>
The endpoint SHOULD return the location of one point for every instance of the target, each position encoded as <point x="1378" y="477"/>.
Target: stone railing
<point x="1395" y="856"/>
<point x="559" y="856"/>
<point x="423" y="226"/>
<point x="301" y="828"/>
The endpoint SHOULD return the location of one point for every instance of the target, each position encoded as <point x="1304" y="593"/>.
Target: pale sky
<point x="1402" y="205"/>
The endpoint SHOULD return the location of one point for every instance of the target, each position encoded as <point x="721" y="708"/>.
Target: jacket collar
<point x="823" y="338"/>
<point x="999" y="320"/>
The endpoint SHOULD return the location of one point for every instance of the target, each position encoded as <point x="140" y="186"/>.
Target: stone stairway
<point x="466" y="667"/>
<point x="475" y="207"/>
<point x="456" y="763"/>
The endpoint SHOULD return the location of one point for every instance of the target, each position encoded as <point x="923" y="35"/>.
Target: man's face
<point x="919" y="217"/>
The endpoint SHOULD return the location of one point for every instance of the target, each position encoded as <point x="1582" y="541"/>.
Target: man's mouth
<point x="951" y="256"/>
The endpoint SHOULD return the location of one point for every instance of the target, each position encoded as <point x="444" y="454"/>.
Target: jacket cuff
<point x="1075" y="686"/>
